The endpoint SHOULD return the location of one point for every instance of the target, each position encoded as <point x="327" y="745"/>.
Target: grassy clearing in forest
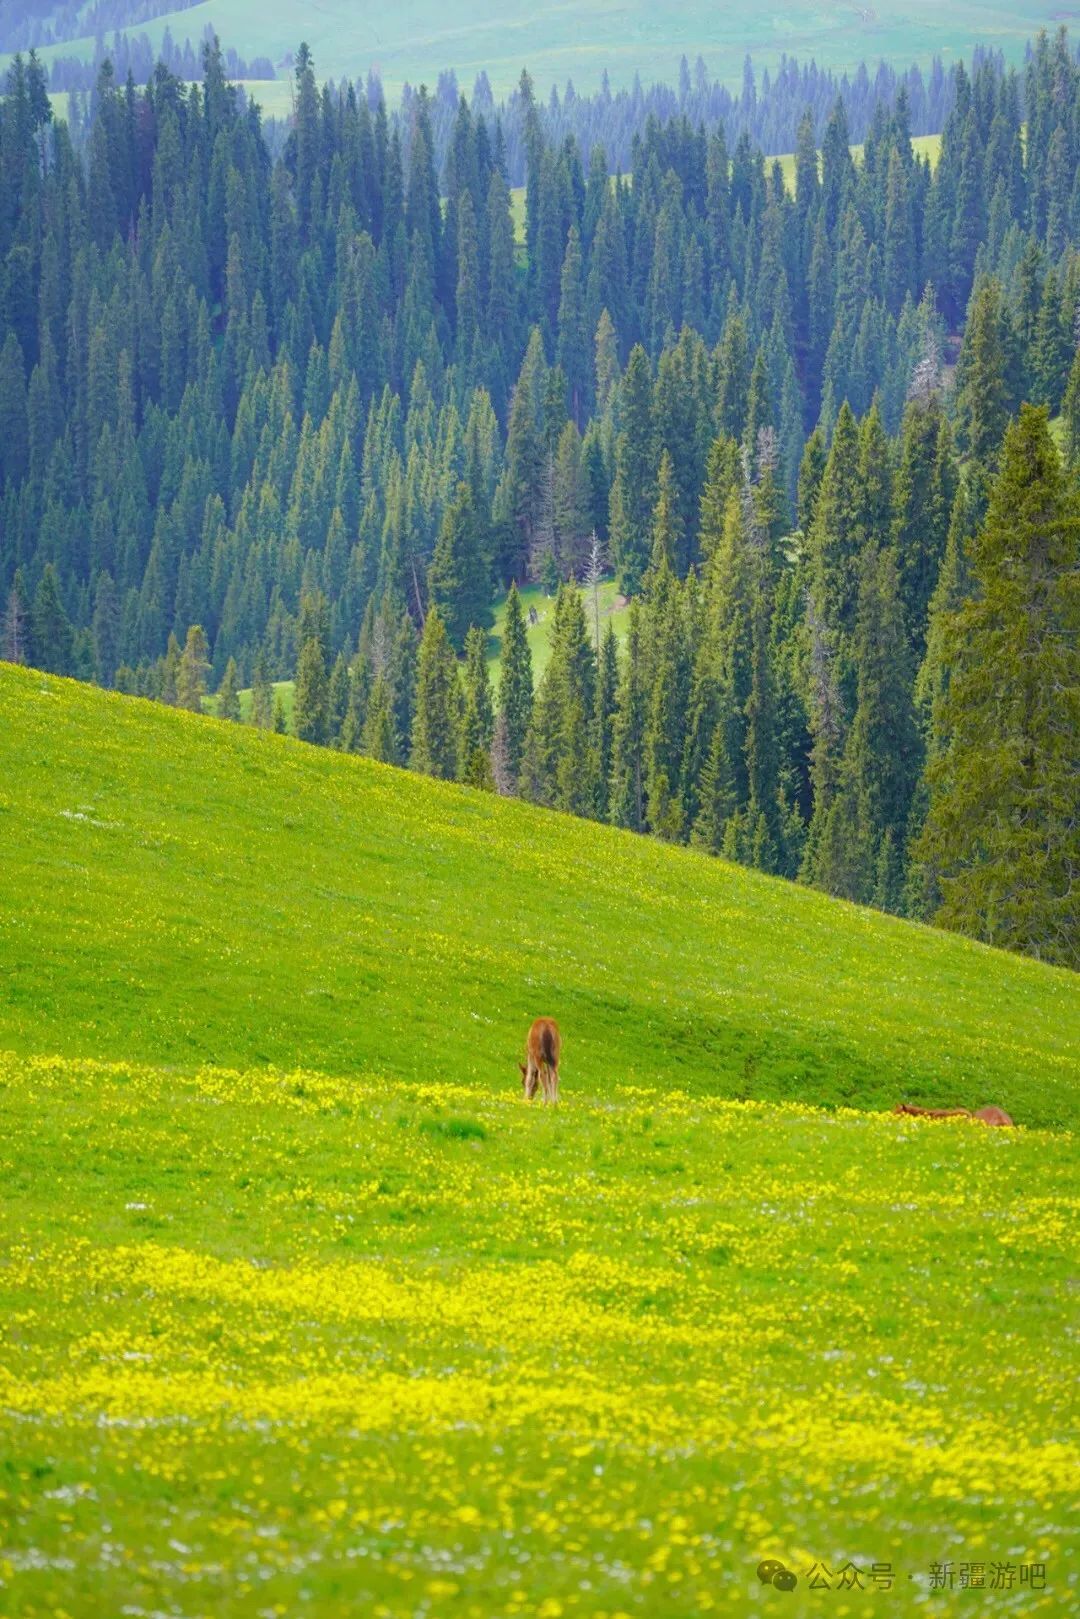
<point x="613" y="609"/>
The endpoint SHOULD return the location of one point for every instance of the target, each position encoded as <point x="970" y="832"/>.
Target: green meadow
<point x="180" y="890"/>
<point x="417" y="39"/>
<point x="304" y="1310"/>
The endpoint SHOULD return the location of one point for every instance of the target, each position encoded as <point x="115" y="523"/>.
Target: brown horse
<point x="985" y="1115"/>
<point x="541" y="1066"/>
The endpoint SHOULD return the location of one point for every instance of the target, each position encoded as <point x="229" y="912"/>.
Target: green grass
<point x="414" y="41"/>
<point x="179" y="890"/>
<point x="283" y="1344"/>
<point x="303" y="1310"/>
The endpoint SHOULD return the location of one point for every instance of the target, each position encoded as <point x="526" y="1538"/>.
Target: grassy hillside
<point x="363" y="1333"/>
<point x="178" y="890"/>
<point x="416" y="39"/>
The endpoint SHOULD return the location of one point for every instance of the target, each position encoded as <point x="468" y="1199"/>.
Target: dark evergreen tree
<point x="192" y="670"/>
<point x="436" y="733"/>
<point x="478" y="717"/>
<point x="310" y="700"/>
<point x="50" y="633"/>
<point x="515" y="684"/>
<point x="228" y="696"/>
<point x="633" y="491"/>
<point x="627" y="795"/>
<point x="1001" y="834"/>
<point x="459" y="583"/>
<point x="380" y="739"/>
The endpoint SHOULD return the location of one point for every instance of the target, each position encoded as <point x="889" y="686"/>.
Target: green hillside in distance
<point x="178" y="890"/>
<point x="417" y="39"/>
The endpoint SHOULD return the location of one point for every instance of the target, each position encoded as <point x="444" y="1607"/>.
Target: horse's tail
<point x="549" y="1055"/>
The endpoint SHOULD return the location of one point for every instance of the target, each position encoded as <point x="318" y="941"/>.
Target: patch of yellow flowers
<point x="275" y="1344"/>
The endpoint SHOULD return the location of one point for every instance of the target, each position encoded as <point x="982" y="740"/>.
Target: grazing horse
<point x="541" y="1065"/>
<point x="985" y="1115"/>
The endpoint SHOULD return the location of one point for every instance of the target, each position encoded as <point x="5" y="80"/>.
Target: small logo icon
<point x="771" y="1572"/>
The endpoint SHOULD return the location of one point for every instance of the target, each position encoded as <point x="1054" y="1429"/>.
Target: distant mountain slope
<point x="176" y="890"/>
<point x="416" y="40"/>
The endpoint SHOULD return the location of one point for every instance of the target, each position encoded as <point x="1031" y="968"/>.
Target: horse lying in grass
<point x="540" y="1070"/>
<point x="985" y="1115"/>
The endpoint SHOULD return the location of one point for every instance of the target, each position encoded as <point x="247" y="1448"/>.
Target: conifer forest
<point x="306" y="403"/>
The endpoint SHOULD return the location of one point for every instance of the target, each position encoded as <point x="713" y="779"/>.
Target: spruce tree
<point x="194" y="666"/>
<point x="868" y="817"/>
<point x="607" y="685"/>
<point x="723" y="475"/>
<point x="105" y="628"/>
<point x="1070" y="412"/>
<point x="170" y="673"/>
<point x="515" y="684"/>
<point x="667" y="704"/>
<point x="982" y="392"/>
<point x="1002" y="833"/>
<point x="310" y="699"/>
<point x="379" y="737"/>
<point x="633" y="491"/>
<point x="716" y="795"/>
<point x="14" y="426"/>
<point x="459" y="584"/>
<point x="924" y="492"/>
<point x="478" y="717"/>
<point x="760" y="743"/>
<point x="228" y="696"/>
<point x="811" y="472"/>
<point x="571" y="502"/>
<point x="437" y="721"/>
<point x="627" y="796"/>
<point x="921" y="894"/>
<point x="523" y="482"/>
<point x="572" y="352"/>
<point x="262" y="694"/>
<point x="561" y="762"/>
<point x="337" y="700"/>
<point x="667" y="522"/>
